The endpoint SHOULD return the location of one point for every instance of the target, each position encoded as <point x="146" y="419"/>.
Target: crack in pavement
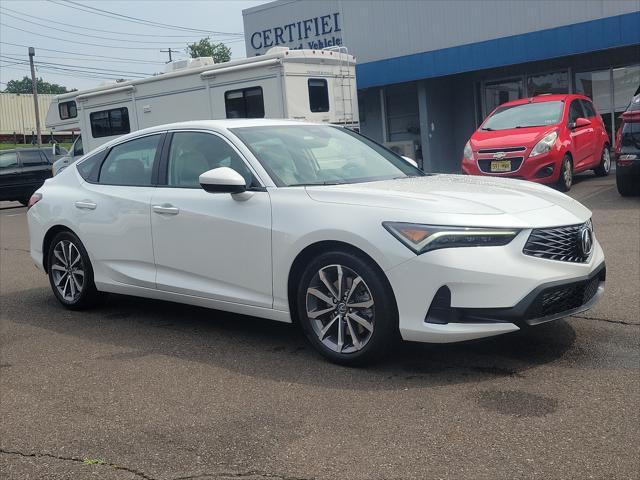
<point x="240" y="475"/>
<point x="77" y="460"/>
<point x="9" y="249"/>
<point x="619" y="322"/>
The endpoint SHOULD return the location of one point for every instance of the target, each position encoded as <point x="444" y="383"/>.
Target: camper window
<point x="318" y="95"/>
<point x="245" y="103"/>
<point x="67" y="110"/>
<point x="107" y="123"/>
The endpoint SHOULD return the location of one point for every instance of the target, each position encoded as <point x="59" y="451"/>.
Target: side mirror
<point x="222" y="180"/>
<point x="411" y="161"/>
<point x="580" y="122"/>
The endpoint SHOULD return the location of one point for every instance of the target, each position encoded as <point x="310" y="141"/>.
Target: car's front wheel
<point x="346" y="308"/>
<point x="603" y="169"/>
<point x="566" y="174"/>
<point x="70" y="272"/>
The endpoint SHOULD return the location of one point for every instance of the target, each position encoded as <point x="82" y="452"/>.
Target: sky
<point x="80" y="47"/>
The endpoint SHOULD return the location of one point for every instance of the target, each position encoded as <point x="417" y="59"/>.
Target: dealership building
<point x="428" y="72"/>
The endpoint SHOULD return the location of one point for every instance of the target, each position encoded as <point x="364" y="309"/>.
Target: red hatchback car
<point x="544" y="139"/>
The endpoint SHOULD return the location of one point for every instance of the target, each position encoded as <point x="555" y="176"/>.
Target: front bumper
<point x="543" y="168"/>
<point x="491" y="290"/>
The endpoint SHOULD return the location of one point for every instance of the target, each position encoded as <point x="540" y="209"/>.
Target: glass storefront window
<point x="497" y="93"/>
<point x="626" y="84"/>
<point x="556" y="82"/>
<point x="597" y="86"/>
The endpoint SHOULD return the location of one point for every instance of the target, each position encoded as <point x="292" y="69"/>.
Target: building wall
<point x="17" y="112"/>
<point x="385" y="29"/>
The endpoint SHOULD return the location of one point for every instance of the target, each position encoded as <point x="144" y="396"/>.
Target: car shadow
<point x="278" y="351"/>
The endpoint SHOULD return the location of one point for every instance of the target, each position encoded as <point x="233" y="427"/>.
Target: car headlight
<point x="544" y="145"/>
<point x="468" y="152"/>
<point x="424" y="238"/>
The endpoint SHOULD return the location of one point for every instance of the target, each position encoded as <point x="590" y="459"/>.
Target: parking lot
<point x="152" y="390"/>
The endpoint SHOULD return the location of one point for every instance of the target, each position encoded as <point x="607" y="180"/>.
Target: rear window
<point x="318" y="95"/>
<point x="630" y="137"/>
<point x="526" y="115"/>
<point x="635" y="104"/>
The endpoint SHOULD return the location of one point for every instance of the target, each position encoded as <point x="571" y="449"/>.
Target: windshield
<point x="321" y="155"/>
<point x="539" y="114"/>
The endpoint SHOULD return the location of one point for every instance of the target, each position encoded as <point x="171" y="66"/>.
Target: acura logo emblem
<point x="499" y="155"/>
<point x="586" y="240"/>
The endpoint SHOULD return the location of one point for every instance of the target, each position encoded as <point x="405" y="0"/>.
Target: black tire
<point x="88" y="295"/>
<point x="566" y="174"/>
<point x="626" y="186"/>
<point x="382" y="317"/>
<point x="604" y="168"/>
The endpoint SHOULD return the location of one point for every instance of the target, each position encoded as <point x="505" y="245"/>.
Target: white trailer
<point x="313" y="85"/>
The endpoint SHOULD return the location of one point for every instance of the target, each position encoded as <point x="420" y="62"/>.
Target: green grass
<point x="9" y="146"/>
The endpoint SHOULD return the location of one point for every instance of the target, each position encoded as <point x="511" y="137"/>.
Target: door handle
<point x="86" y="205"/>
<point x="166" y="209"/>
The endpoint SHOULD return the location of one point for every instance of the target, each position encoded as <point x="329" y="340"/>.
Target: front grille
<point x="560" y="243"/>
<point x="505" y="150"/>
<point x="555" y="300"/>
<point x="485" y="164"/>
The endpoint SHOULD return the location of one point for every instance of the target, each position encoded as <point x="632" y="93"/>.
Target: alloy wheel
<point x="68" y="271"/>
<point x="606" y="160"/>
<point x="567" y="173"/>
<point x="340" y="308"/>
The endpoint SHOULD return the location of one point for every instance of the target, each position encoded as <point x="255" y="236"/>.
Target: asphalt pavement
<point x="141" y="389"/>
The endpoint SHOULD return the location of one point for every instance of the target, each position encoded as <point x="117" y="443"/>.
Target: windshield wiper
<point x="487" y="129"/>
<point x="314" y="183"/>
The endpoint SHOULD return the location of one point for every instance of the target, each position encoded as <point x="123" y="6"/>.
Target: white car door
<point x="113" y="214"/>
<point x="212" y="245"/>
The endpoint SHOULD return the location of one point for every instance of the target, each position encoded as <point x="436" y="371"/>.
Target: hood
<point x="516" y="137"/>
<point x="449" y="194"/>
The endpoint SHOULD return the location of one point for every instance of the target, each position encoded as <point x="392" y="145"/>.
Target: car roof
<point x="546" y="97"/>
<point x="214" y="125"/>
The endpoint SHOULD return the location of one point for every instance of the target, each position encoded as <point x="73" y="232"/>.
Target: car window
<point x="193" y="153"/>
<point x="588" y="109"/>
<point x="575" y="111"/>
<point x="32" y="158"/>
<point x="130" y="163"/>
<point x="9" y="160"/>
<point x="538" y="114"/>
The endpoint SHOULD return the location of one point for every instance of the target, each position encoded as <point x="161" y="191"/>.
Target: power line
<point x="89" y="35"/>
<point x="96" y="29"/>
<point x="128" y="18"/>
<point x="54" y="57"/>
<point x="79" y="43"/>
<point x="82" y="54"/>
<point x="80" y="67"/>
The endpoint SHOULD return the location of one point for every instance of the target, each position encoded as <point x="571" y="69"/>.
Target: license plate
<point x="501" y="166"/>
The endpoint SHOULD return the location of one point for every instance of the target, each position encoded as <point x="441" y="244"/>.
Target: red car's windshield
<point x="526" y="115"/>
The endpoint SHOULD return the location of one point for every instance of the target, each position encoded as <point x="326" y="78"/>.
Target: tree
<point x="205" y="48"/>
<point x="25" y="86"/>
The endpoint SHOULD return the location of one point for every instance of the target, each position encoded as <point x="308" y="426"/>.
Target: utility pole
<point x="169" y="52"/>
<point x="32" y="53"/>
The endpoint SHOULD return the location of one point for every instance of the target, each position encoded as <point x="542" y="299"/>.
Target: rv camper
<point x="313" y="85"/>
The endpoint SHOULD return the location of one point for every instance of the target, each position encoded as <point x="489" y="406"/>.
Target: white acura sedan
<point x="314" y="224"/>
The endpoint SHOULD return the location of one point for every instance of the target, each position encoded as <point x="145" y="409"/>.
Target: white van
<point x="312" y="85"/>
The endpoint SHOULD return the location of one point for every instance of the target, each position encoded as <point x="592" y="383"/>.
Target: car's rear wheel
<point x="346" y="309"/>
<point x="70" y="272"/>
<point x="626" y="186"/>
<point x="604" y="168"/>
<point x="566" y="174"/>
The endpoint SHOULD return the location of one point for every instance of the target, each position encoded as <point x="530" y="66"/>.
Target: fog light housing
<point x="545" y="171"/>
